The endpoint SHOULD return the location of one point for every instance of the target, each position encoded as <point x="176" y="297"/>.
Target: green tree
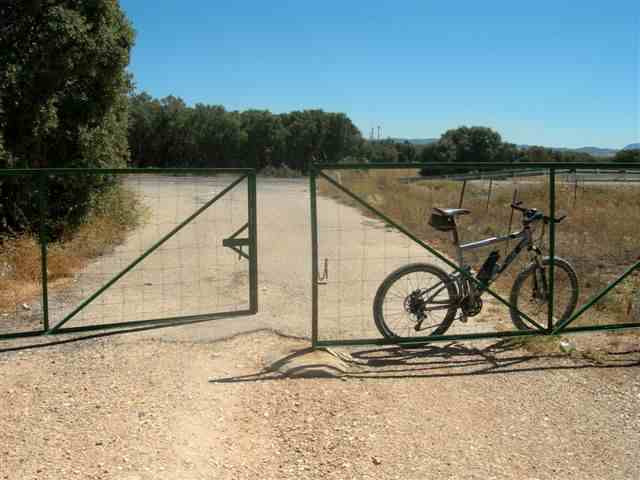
<point x="342" y="138"/>
<point x="266" y="138"/>
<point x="167" y="132"/>
<point x="382" y="152"/>
<point x="63" y="88"/>
<point x="465" y="144"/>
<point x="144" y="112"/>
<point x="539" y="154"/>
<point x="307" y="132"/>
<point x="627" y="156"/>
<point x="471" y="144"/>
<point x="406" y="152"/>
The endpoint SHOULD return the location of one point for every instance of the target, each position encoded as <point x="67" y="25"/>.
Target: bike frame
<point x="526" y="241"/>
<point x="465" y="285"/>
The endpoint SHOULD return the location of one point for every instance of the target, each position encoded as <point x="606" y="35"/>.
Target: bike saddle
<point x="451" y="212"/>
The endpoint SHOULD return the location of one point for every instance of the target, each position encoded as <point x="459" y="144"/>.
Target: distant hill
<point x="595" y="151"/>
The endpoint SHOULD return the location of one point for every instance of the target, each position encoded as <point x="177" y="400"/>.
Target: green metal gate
<point x="193" y="257"/>
<point x="340" y="274"/>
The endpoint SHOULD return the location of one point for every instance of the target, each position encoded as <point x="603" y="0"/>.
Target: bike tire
<point x="517" y="299"/>
<point x="382" y="320"/>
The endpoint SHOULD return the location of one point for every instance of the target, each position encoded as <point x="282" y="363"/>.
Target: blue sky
<point x="555" y="73"/>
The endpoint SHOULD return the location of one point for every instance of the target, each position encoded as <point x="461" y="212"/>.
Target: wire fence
<point x="167" y="261"/>
<point x="370" y="221"/>
<point x="618" y="174"/>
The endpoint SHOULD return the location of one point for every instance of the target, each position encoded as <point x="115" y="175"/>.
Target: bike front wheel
<point x="530" y="293"/>
<point x="414" y="301"/>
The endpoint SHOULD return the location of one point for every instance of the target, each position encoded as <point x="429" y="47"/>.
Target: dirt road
<point x="185" y="403"/>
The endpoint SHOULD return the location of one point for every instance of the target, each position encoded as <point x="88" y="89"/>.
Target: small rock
<point x="567" y="346"/>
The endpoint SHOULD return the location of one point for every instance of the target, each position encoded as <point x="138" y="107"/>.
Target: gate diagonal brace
<point x="148" y="252"/>
<point x="236" y="244"/>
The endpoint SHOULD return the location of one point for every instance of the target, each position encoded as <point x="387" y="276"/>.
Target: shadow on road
<point x="43" y="341"/>
<point x="441" y="361"/>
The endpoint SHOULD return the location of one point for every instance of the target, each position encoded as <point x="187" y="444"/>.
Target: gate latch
<point x="323" y="277"/>
<point x="236" y="244"/>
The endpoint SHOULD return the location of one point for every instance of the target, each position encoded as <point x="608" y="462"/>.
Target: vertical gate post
<point x="314" y="256"/>
<point x="552" y="244"/>
<point x="42" y="201"/>
<point x="253" y="242"/>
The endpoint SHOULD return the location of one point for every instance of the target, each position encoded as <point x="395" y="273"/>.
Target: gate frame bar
<point x="41" y="175"/>
<point x="316" y="170"/>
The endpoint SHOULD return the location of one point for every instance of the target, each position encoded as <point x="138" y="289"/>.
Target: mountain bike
<point x="421" y="299"/>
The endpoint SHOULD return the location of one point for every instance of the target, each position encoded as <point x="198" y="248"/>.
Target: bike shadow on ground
<point x="434" y="361"/>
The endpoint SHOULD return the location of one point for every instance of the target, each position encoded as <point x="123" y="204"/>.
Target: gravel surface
<point x="205" y="401"/>
<point x="108" y="409"/>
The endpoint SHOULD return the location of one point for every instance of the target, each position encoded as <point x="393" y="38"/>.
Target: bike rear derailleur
<point x="471" y="306"/>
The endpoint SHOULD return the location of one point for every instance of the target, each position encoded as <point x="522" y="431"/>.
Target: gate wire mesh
<point x="191" y="274"/>
<point x="357" y="249"/>
<point x="601" y="239"/>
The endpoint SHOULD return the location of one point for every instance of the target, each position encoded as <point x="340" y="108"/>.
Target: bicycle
<point x="430" y="301"/>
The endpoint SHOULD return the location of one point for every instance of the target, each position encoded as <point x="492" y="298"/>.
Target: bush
<point x="63" y="103"/>
<point x="114" y="213"/>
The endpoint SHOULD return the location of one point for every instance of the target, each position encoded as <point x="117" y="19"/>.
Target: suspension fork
<point x="540" y="283"/>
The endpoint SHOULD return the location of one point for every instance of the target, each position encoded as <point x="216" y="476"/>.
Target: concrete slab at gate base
<point x="306" y="363"/>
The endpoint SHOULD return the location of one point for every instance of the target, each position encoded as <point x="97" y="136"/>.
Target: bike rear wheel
<point x="416" y="300"/>
<point x="530" y="297"/>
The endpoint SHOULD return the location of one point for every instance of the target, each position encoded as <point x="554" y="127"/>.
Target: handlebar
<point x="532" y="214"/>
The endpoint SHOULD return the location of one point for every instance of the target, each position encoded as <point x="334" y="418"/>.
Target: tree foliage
<point x="482" y="145"/>
<point x="168" y="133"/>
<point x="627" y="156"/>
<point x="63" y="100"/>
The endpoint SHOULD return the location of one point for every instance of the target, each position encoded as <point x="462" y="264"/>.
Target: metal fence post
<point x="464" y="187"/>
<point x="552" y="244"/>
<point x="253" y="242"/>
<point x="314" y="257"/>
<point x="42" y="200"/>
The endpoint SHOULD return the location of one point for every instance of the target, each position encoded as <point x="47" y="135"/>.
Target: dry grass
<point x="116" y="212"/>
<point x="282" y="171"/>
<point x="599" y="236"/>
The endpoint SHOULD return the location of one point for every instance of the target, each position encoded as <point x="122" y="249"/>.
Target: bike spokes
<point x="416" y="305"/>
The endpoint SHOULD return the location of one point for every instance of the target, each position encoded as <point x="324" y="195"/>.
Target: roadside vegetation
<point x="599" y="236"/>
<point x="167" y="132"/>
<point x="63" y="104"/>
<point x="115" y="213"/>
